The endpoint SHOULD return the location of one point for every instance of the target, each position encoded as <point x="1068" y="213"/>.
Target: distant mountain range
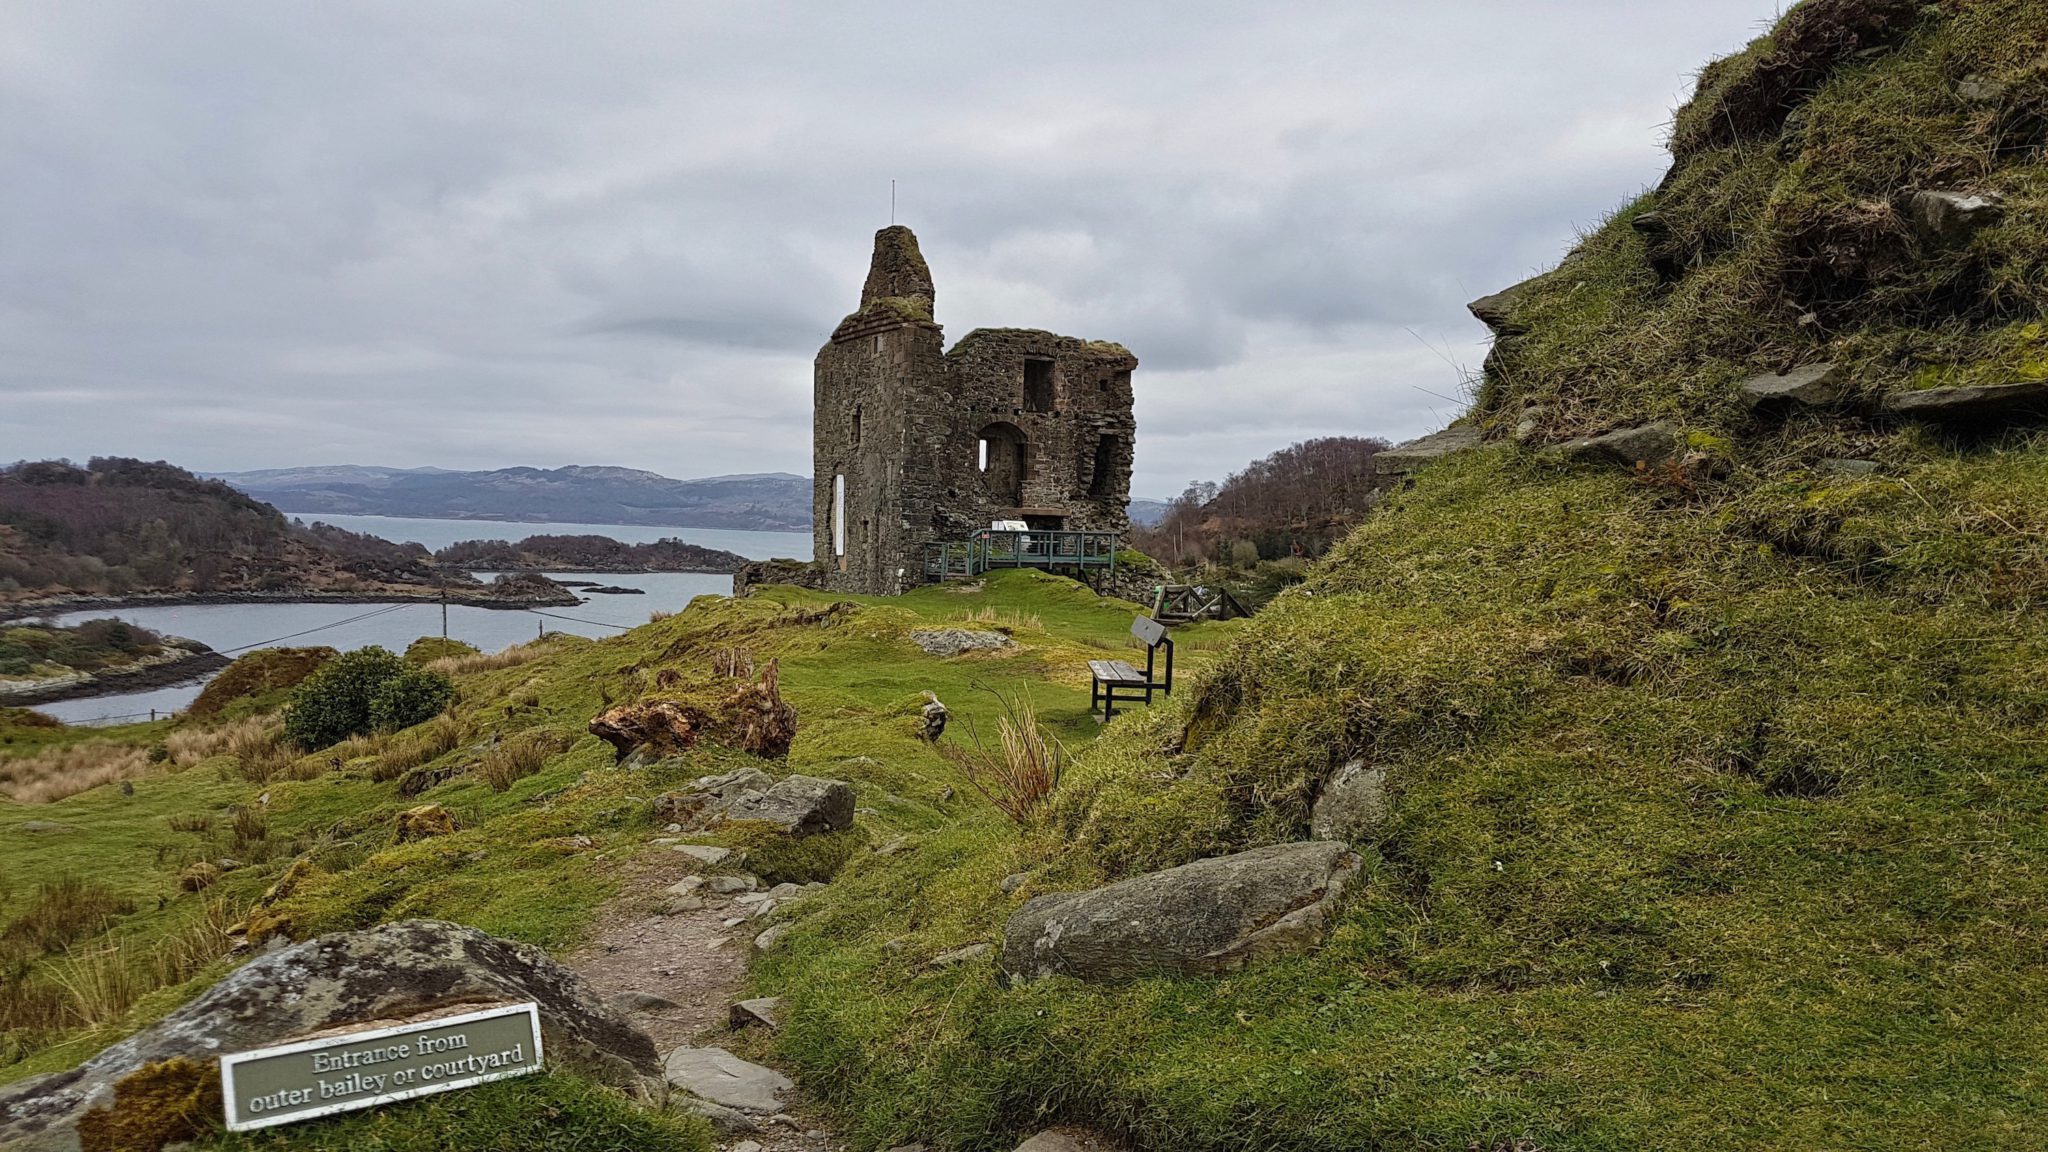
<point x="765" y="501"/>
<point x="773" y="501"/>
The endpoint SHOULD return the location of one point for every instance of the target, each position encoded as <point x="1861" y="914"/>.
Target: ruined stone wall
<point x="1077" y="433"/>
<point x="900" y="421"/>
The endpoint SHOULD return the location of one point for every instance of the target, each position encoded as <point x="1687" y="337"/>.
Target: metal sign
<point x="350" y="1070"/>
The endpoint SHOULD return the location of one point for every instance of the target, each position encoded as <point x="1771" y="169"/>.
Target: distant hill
<point x="1145" y="513"/>
<point x="130" y="528"/>
<point x="773" y="501"/>
<point x="587" y="554"/>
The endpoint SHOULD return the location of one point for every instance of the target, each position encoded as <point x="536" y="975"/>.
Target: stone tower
<point x="912" y="444"/>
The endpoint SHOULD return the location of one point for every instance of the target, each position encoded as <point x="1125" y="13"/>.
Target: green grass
<point x="544" y="1113"/>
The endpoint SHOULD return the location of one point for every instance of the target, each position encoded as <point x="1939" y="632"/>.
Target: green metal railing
<point x="992" y="548"/>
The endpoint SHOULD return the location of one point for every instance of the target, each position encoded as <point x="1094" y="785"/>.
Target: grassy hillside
<point x="543" y="840"/>
<point x="1719" y="814"/>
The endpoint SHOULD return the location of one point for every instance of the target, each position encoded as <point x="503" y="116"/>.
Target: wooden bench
<point x="1112" y="675"/>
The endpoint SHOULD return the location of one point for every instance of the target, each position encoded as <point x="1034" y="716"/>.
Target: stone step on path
<point x="665" y="954"/>
<point x="679" y="977"/>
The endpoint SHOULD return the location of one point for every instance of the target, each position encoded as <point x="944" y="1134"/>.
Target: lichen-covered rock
<point x="1353" y="806"/>
<point x="724" y="1079"/>
<point x="424" y="822"/>
<point x="798" y="805"/>
<point x="1649" y="444"/>
<point x="932" y="718"/>
<point x="948" y="642"/>
<point x="1953" y="217"/>
<point x="1813" y="386"/>
<point x="1210" y="916"/>
<point x="389" y="972"/>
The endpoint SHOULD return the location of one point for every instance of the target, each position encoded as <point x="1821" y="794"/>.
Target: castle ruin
<point x="914" y="445"/>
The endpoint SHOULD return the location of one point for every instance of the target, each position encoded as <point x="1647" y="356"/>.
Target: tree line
<point x="1295" y="502"/>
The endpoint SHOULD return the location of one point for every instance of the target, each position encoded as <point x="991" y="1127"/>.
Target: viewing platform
<point x="992" y="548"/>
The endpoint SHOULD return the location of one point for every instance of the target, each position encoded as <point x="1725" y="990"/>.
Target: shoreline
<point x="192" y="666"/>
<point x="33" y="609"/>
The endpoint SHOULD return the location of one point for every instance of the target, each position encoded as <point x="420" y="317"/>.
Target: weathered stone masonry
<point x="913" y="444"/>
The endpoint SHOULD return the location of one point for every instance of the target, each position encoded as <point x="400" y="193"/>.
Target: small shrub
<point x="413" y="696"/>
<point x="360" y="691"/>
<point x="198" y="822"/>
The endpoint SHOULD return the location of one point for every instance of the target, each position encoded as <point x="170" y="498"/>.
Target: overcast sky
<point x="479" y="234"/>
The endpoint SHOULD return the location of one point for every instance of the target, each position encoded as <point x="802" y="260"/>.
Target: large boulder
<point x="798" y="805"/>
<point x="386" y="973"/>
<point x="1210" y="916"/>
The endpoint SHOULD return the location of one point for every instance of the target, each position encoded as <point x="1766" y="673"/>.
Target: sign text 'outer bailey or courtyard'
<point x="352" y="1070"/>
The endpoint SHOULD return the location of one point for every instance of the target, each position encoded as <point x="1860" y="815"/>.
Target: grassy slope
<point x="517" y="868"/>
<point x="1720" y="819"/>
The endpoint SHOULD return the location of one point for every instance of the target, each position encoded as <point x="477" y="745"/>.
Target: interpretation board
<point x="350" y="1070"/>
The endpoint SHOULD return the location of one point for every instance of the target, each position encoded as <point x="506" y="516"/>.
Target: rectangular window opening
<point x="1038" y="391"/>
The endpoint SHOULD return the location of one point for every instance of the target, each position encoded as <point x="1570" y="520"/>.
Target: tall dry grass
<point x="54" y="773"/>
<point x="416" y="746"/>
<point x="519" y="756"/>
<point x="94" y="987"/>
<point x="188" y="746"/>
<point x="511" y="657"/>
<point x="1019" y="774"/>
<point x="1015" y="619"/>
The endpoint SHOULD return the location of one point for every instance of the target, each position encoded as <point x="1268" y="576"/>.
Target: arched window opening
<point x="1005" y="454"/>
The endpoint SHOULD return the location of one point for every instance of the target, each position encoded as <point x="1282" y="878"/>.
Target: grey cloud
<point x="408" y="233"/>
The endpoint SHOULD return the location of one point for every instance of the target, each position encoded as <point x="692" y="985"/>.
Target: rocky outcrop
<point x="1415" y="454"/>
<point x="1987" y="405"/>
<point x="947" y="642"/>
<point x="1649" y="444"/>
<point x="1814" y="386"/>
<point x="798" y="805"/>
<point x="1353" y="806"/>
<point x="385" y="973"/>
<point x="1497" y="311"/>
<point x="1210" y="916"/>
<point x="1950" y="218"/>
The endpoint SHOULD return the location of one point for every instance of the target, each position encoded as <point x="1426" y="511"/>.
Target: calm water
<point x="437" y="534"/>
<point x="231" y="627"/>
